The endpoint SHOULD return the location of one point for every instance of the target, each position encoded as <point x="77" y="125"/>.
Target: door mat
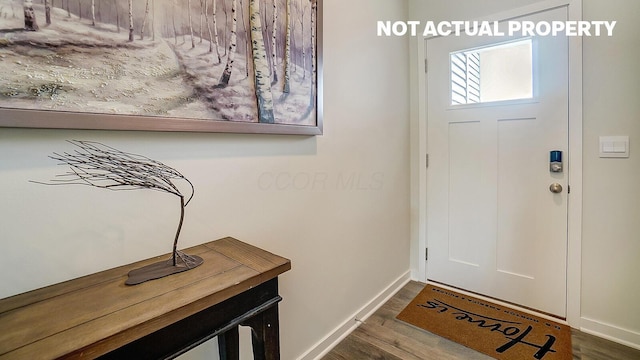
<point x="496" y="330"/>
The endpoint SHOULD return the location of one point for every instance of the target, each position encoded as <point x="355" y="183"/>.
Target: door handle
<point x="555" y="188"/>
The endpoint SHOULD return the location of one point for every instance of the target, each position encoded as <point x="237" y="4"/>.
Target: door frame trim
<point x="418" y="146"/>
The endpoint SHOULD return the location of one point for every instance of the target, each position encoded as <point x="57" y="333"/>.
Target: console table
<point x="98" y="316"/>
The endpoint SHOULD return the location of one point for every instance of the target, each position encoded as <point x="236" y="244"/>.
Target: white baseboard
<point x="417" y="276"/>
<point x="322" y="347"/>
<point x="611" y="332"/>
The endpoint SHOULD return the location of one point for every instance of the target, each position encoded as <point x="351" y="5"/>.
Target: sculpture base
<point x="161" y="269"/>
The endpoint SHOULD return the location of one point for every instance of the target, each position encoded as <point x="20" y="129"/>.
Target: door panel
<point x="465" y="163"/>
<point x="493" y="225"/>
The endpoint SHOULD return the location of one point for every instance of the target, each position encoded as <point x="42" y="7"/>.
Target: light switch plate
<point x="614" y="146"/>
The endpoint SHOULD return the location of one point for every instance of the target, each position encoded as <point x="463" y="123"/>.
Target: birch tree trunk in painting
<point x="30" y="23"/>
<point x="304" y="54"/>
<point x="226" y="74"/>
<point x="193" y="43"/>
<point x="274" y="35"/>
<point x="312" y="95"/>
<point x="206" y="19"/>
<point x="246" y="40"/>
<point x="47" y="11"/>
<point x="260" y="66"/>
<point x="226" y="21"/>
<point x="173" y="21"/>
<point x="153" y="20"/>
<point x="287" y="49"/>
<point x="93" y="12"/>
<point x="115" y="5"/>
<point x="215" y="32"/>
<point x="201" y="19"/>
<point x="130" y="20"/>
<point x="144" y="20"/>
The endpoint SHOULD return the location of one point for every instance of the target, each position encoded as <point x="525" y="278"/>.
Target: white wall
<point x="339" y="208"/>
<point x="611" y="197"/>
<point x="611" y="226"/>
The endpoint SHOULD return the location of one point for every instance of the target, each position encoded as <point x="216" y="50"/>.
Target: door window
<point x="493" y="73"/>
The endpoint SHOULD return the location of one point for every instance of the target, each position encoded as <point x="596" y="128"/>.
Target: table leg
<point x="229" y="344"/>
<point x="265" y="334"/>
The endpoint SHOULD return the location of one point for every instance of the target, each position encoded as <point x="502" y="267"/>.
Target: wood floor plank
<point x="390" y="344"/>
<point x="353" y="348"/>
<point x="589" y="347"/>
<point x="419" y="341"/>
<point x="382" y="336"/>
<point x="405" y="347"/>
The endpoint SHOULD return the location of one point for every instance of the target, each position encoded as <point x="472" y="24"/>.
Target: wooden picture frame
<point x="84" y="66"/>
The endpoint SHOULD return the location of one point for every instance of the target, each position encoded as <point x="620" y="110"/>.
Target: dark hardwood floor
<point x="382" y="336"/>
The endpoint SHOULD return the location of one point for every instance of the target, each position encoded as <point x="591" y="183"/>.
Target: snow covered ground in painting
<point x="72" y="66"/>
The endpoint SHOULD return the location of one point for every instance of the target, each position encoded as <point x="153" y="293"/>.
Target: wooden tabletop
<point x="100" y="313"/>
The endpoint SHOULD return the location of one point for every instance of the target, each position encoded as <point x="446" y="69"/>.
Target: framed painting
<point x="242" y="66"/>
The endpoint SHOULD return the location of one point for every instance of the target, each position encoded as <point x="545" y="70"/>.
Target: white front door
<point x="494" y="226"/>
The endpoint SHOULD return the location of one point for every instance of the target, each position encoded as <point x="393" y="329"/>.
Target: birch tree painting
<point x="237" y="61"/>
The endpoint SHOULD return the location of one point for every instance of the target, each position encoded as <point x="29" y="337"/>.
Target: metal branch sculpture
<point x="105" y="167"/>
